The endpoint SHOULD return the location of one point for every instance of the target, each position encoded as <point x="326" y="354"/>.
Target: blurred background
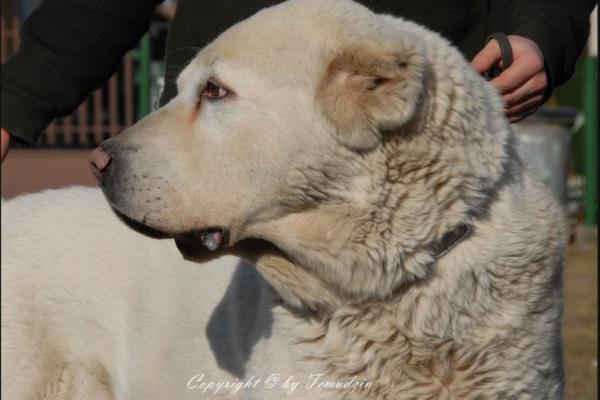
<point x="560" y="141"/>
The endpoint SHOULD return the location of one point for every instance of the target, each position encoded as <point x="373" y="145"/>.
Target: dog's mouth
<point x="200" y="245"/>
<point x="189" y="243"/>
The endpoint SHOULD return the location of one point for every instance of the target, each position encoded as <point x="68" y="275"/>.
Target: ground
<point x="580" y="325"/>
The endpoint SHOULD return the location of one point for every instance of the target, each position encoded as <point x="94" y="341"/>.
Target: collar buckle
<point x="450" y="240"/>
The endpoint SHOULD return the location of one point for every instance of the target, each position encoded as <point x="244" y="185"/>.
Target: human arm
<point x="4" y="142"/>
<point x="547" y="39"/>
<point x="68" y="48"/>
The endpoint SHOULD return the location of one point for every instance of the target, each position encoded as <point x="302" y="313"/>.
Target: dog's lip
<point x="140" y="227"/>
<point x="197" y="236"/>
<point x="191" y="238"/>
<point x="193" y="246"/>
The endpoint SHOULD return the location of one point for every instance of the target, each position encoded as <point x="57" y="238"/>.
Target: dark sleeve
<point x="68" y="48"/>
<point x="559" y="27"/>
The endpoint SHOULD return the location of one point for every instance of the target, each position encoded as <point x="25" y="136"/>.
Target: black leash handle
<point x="505" y="50"/>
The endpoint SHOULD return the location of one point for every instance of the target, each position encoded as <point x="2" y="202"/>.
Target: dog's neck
<point x="304" y="293"/>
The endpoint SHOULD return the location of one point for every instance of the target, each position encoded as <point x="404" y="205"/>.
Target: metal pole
<point x="591" y="141"/>
<point x="591" y="126"/>
<point x="143" y="76"/>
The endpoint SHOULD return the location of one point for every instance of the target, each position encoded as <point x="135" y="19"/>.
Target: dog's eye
<point x="214" y="91"/>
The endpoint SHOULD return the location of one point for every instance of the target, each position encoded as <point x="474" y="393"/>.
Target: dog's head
<point x="328" y="144"/>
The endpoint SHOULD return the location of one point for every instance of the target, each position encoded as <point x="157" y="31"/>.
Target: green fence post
<point x="591" y="141"/>
<point x="142" y="76"/>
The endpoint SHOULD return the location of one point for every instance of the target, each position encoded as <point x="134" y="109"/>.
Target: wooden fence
<point x="105" y="113"/>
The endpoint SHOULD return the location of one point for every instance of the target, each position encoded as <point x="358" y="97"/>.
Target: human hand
<point x="524" y="83"/>
<point x="5" y="143"/>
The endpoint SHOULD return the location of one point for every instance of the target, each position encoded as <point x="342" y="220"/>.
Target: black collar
<point x="450" y="240"/>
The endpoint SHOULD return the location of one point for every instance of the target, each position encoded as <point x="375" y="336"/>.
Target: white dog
<point x="395" y="246"/>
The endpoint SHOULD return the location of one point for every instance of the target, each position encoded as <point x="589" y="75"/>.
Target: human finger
<point x="534" y="86"/>
<point x="488" y="57"/>
<point x="524" y="108"/>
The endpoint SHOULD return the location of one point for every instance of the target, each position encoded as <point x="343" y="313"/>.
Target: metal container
<point x="544" y="142"/>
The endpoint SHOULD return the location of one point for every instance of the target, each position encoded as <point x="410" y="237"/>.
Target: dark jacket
<point x="69" y="48"/>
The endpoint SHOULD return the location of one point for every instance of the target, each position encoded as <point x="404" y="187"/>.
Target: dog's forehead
<point x="290" y="41"/>
<point x="284" y="55"/>
<point x="239" y="64"/>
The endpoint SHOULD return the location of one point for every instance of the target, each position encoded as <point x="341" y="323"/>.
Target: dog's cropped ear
<point x="366" y="92"/>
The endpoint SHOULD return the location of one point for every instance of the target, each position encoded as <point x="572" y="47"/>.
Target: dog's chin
<point x="194" y="245"/>
<point x="190" y="244"/>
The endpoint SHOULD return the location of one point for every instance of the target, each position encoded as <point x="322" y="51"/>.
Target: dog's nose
<point x="99" y="161"/>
